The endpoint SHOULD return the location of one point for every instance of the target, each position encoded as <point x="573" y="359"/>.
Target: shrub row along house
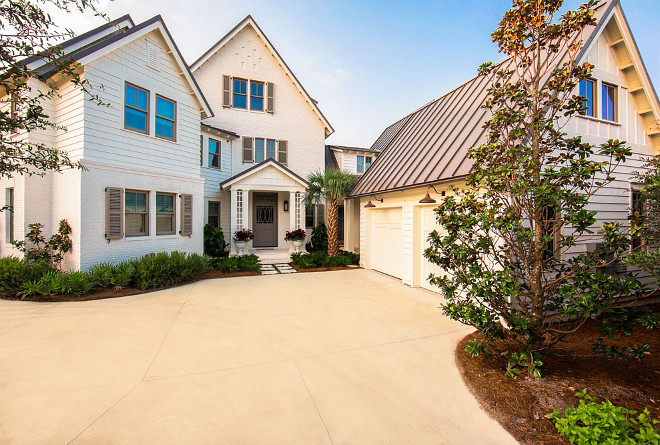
<point x="228" y="141"/>
<point x="390" y="211"/>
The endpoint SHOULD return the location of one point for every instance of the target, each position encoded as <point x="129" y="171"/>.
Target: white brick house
<point x="159" y="163"/>
<point x="275" y="138"/>
<point x="141" y="151"/>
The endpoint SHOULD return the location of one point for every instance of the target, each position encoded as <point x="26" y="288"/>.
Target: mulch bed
<point x="100" y="293"/>
<point x="520" y="405"/>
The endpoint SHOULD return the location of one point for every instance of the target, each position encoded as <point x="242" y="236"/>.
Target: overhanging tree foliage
<point x="29" y="36"/>
<point x="514" y="239"/>
<point x="330" y="186"/>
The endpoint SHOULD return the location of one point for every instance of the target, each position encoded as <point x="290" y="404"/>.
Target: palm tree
<point x="330" y="186"/>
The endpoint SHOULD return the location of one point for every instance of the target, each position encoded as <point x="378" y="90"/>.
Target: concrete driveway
<point x="348" y="357"/>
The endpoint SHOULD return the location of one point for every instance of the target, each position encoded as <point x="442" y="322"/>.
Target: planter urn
<point x="297" y="244"/>
<point x="240" y="247"/>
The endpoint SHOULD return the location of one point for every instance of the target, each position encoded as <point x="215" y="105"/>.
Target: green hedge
<point x="321" y="259"/>
<point x="237" y="263"/>
<point x="58" y="283"/>
<point x="14" y="272"/>
<point x="164" y="269"/>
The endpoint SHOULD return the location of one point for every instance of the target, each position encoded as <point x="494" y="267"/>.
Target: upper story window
<point x="609" y="102"/>
<point x="165" y="223"/>
<point x="165" y="118"/>
<point x="136" y="213"/>
<point x="256" y="95"/>
<point x="136" y="109"/>
<point x="240" y="93"/>
<point x="270" y="149"/>
<point x="214" y="153"/>
<point x="258" y="150"/>
<point x="363" y="163"/>
<point x="587" y="89"/>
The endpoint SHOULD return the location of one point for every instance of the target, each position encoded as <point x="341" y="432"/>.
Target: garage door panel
<point x="387" y="241"/>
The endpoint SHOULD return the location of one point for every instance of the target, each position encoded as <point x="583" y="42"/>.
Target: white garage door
<point x="428" y="225"/>
<point x="387" y="241"/>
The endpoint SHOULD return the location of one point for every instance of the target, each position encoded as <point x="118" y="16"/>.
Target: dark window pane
<point x="131" y="96"/>
<point x="129" y="204"/>
<point x="367" y="162"/>
<point x="140" y="202"/>
<point x="142" y="100"/>
<point x="240" y="101"/>
<point x="257" y="103"/>
<point x="360" y="164"/>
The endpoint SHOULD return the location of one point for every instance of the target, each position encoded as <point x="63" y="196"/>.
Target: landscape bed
<point x="521" y="405"/>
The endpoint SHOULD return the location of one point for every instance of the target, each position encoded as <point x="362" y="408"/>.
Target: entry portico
<point x="267" y="198"/>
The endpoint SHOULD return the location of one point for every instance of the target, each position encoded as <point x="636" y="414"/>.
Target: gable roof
<point x="330" y="159"/>
<point x="260" y="166"/>
<point x="249" y="21"/>
<point x="431" y="144"/>
<point x="125" y="32"/>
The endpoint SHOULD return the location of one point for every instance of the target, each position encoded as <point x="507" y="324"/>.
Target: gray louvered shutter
<point x="247" y="150"/>
<point x="114" y="213"/>
<point x="270" y="97"/>
<point x="226" y="91"/>
<point x="186" y="215"/>
<point x="282" y="152"/>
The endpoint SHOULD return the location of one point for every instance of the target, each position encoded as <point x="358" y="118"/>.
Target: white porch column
<point x="247" y="218"/>
<point x="233" y="218"/>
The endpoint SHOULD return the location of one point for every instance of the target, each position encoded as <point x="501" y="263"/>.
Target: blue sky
<point x="368" y="63"/>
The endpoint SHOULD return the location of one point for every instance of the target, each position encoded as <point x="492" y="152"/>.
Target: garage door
<point x="387" y="241"/>
<point x="428" y="225"/>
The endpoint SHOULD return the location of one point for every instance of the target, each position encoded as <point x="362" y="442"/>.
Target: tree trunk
<point x="333" y="240"/>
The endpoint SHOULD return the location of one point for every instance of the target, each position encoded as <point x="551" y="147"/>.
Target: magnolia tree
<point x="29" y="36"/>
<point x="513" y="241"/>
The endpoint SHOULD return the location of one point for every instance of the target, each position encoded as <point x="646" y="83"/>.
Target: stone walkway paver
<point x="345" y="357"/>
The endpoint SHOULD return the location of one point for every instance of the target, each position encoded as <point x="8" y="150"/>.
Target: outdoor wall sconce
<point x="370" y="205"/>
<point x="427" y="199"/>
<point x="286" y="206"/>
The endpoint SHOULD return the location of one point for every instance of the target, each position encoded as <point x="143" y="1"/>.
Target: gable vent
<point x="153" y="56"/>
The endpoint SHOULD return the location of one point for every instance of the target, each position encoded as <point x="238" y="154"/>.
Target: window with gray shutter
<point x="186" y="215"/>
<point x="114" y="212"/>
<point x="282" y="152"/>
<point x="226" y="91"/>
<point x="270" y="97"/>
<point x="247" y="149"/>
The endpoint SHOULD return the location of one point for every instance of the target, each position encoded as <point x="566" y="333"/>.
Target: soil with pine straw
<point x="100" y="293"/>
<point x="520" y="405"/>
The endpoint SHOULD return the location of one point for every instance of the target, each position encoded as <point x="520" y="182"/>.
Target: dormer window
<point x="363" y="163"/>
<point x="587" y="89"/>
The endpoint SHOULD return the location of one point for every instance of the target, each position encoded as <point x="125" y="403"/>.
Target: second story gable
<point x="253" y="93"/>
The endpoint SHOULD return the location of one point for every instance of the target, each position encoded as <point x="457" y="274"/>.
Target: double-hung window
<point x="587" y="90"/>
<point x="256" y="95"/>
<point x="367" y="162"/>
<point x="270" y="149"/>
<point x="165" y="118"/>
<point x="360" y="164"/>
<point x="136" y="109"/>
<point x="240" y="93"/>
<point x="214" y="214"/>
<point x="136" y="214"/>
<point x="609" y="102"/>
<point x="165" y="222"/>
<point x="214" y="153"/>
<point x="258" y="150"/>
<point x="309" y="216"/>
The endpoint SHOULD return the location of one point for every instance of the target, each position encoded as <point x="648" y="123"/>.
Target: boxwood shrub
<point x="237" y="263"/>
<point x="164" y="269"/>
<point x="321" y="259"/>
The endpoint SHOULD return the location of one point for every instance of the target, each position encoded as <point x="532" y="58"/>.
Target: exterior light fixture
<point x="369" y="205"/>
<point x="286" y="206"/>
<point x="427" y="199"/>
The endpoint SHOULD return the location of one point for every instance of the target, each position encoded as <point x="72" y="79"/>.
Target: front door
<point x="265" y="220"/>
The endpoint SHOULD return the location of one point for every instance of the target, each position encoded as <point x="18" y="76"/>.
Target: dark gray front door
<point x="264" y="213"/>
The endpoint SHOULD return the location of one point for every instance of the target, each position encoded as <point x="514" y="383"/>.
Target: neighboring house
<point x="355" y="160"/>
<point x="142" y="190"/>
<point x="257" y="180"/>
<point x="429" y="148"/>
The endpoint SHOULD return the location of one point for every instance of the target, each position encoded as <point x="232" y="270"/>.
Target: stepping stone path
<point x="276" y="268"/>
